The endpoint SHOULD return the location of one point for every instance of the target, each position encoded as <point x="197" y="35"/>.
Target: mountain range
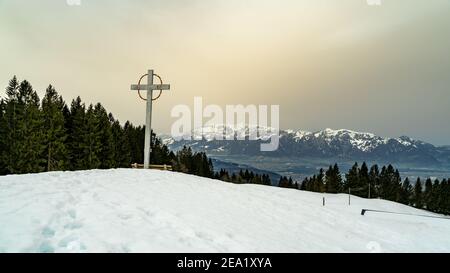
<point x="335" y="145"/>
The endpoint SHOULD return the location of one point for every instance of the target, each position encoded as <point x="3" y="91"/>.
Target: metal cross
<point x="149" y="87"/>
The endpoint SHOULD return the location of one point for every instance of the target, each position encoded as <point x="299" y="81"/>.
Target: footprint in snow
<point x="46" y="247"/>
<point x="48" y="232"/>
<point x="64" y="242"/>
<point x="72" y="213"/>
<point x="125" y="216"/>
<point x="73" y="225"/>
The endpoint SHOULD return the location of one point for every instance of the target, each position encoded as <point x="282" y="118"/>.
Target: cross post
<point x="149" y="87"/>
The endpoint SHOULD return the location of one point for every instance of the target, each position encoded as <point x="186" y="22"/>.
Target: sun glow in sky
<point x="339" y="64"/>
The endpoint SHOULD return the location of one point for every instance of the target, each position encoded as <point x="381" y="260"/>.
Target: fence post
<point x="349" y="193"/>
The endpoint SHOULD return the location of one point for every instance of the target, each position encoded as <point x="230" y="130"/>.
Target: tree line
<point x="385" y="183"/>
<point x="243" y="177"/>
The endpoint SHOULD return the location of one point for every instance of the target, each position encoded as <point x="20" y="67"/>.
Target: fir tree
<point x="103" y="128"/>
<point x="76" y="131"/>
<point x="266" y="180"/>
<point x="184" y="162"/>
<point x="444" y="200"/>
<point x="91" y="141"/>
<point x="352" y="179"/>
<point x="319" y="185"/>
<point x="418" y="194"/>
<point x="338" y="177"/>
<point x="364" y="180"/>
<point x="406" y="192"/>
<point x="135" y="137"/>
<point x="390" y="183"/>
<point x="55" y="152"/>
<point x="287" y="183"/>
<point x="12" y="117"/>
<point x="333" y="179"/>
<point x="427" y="194"/>
<point x="397" y="186"/>
<point x="374" y="181"/>
<point x="291" y="183"/>
<point x="310" y="183"/>
<point x="29" y="135"/>
<point x="435" y="196"/>
<point x="304" y="185"/>
<point x="122" y="155"/>
<point x="3" y="136"/>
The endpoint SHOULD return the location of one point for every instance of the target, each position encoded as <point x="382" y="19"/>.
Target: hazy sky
<point x="338" y="64"/>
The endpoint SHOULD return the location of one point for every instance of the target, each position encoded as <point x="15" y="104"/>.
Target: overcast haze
<point x="338" y="64"/>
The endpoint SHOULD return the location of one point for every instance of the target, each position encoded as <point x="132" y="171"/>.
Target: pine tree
<point x="435" y="195"/>
<point x="122" y="155"/>
<point x="136" y="137"/>
<point x="364" y="180"/>
<point x="374" y="181"/>
<point x="390" y="183"/>
<point x="352" y="179"/>
<point x="266" y="180"/>
<point x="418" y="194"/>
<point x="207" y="165"/>
<point x="282" y="182"/>
<point x="311" y="183"/>
<point x="234" y="178"/>
<point x="444" y="203"/>
<point x="3" y="138"/>
<point x="224" y="176"/>
<point x="12" y="116"/>
<point x="329" y="181"/>
<point x="291" y="183"/>
<point x="406" y="193"/>
<point x="211" y="169"/>
<point x="55" y="152"/>
<point x="338" y="177"/>
<point x="184" y="162"/>
<point x="28" y="143"/>
<point x="91" y="141"/>
<point x="287" y="183"/>
<point x="103" y="126"/>
<point x="319" y="185"/>
<point x="397" y="186"/>
<point x="333" y="179"/>
<point x="304" y="184"/>
<point x="383" y="183"/>
<point x="427" y="195"/>
<point x="75" y="126"/>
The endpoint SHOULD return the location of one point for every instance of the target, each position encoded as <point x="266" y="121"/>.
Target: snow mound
<point x="128" y="210"/>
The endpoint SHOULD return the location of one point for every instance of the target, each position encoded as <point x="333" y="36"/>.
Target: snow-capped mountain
<point x="344" y="144"/>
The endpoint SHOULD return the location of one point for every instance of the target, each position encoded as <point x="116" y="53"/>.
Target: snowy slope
<point x="154" y="211"/>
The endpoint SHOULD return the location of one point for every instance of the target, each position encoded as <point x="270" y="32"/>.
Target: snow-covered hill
<point x="154" y="211"/>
